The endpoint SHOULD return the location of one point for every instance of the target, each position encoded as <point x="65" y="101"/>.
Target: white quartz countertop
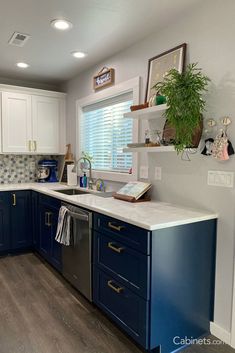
<point x="148" y="215"/>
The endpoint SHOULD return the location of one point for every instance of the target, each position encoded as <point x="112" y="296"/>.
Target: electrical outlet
<point x="220" y="178"/>
<point x="32" y="165"/>
<point x="144" y="172"/>
<point x="158" y="173"/>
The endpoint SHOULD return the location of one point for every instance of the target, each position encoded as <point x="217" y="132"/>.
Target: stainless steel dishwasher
<point x="76" y="257"/>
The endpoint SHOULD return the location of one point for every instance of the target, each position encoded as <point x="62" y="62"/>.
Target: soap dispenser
<point x="84" y="180"/>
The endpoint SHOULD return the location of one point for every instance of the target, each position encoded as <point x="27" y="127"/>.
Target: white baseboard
<point x="220" y="333"/>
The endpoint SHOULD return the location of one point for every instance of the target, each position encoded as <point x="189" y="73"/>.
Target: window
<point x="104" y="132"/>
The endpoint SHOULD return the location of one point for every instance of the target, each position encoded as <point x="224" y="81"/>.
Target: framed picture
<point x="104" y="78"/>
<point x="160" y="65"/>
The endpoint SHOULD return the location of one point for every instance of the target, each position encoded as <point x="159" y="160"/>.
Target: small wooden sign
<point x="104" y="78"/>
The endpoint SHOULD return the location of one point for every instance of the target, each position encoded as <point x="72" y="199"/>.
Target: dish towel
<point x="63" y="233"/>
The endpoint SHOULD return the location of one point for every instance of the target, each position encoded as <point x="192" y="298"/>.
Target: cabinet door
<point x="44" y="231"/>
<point x="127" y="309"/>
<point x="46" y="124"/>
<point x="21" y="233"/>
<point x="4" y="221"/>
<point x="48" y="247"/>
<point x="35" y="220"/>
<point x="56" y="248"/>
<point x="16" y="122"/>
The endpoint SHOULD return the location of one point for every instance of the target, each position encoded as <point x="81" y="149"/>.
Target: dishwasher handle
<point x="77" y="213"/>
<point x="80" y="216"/>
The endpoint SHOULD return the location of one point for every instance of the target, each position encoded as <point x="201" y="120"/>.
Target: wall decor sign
<point x="104" y="78"/>
<point x="159" y="66"/>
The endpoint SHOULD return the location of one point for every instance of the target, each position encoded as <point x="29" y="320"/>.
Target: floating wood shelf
<point x="150" y="149"/>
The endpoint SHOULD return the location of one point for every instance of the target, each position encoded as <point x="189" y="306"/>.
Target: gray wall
<point x="31" y="84"/>
<point x="209" y="31"/>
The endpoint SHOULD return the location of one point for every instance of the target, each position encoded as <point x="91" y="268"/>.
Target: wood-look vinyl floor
<point x="41" y="313"/>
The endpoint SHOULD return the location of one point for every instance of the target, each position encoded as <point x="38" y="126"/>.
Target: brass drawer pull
<point x="46" y="218"/>
<point x="114" y="288"/>
<point x="14" y="200"/>
<point x="118" y="228"/>
<point x="112" y="247"/>
<point x="48" y="221"/>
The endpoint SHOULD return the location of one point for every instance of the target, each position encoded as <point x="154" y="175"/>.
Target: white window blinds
<point x="104" y="132"/>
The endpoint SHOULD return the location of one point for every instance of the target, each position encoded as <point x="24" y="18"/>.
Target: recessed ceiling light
<point x="78" y="54"/>
<point x="61" y="24"/>
<point x="22" y="65"/>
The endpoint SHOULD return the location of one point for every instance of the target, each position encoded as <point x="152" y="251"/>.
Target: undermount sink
<point x="72" y="192"/>
<point x="80" y="192"/>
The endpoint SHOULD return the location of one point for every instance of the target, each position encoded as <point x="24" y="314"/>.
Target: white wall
<point x="209" y="31"/>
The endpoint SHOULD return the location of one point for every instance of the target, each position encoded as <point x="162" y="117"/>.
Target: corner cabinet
<point x="20" y="204"/>
<point x="4" y="222"/>
<point x="155" y="285"/>
<point x="15" y="221"/>
<point x="32" y="123"/>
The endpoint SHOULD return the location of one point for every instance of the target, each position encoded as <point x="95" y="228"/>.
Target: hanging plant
<point x="185" y="103"/>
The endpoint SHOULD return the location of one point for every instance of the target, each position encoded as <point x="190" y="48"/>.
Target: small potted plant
<point x="183" y="92"/>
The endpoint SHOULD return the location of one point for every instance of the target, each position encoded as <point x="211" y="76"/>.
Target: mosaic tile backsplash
<point x="19" y="168"/>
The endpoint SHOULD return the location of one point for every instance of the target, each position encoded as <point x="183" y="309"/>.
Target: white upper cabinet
<point x="46" y="124"/>
<point x="33" y="123"/>
<point x="16" y="122"/>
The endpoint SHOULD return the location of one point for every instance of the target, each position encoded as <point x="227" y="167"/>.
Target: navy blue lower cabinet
<point x="56" y="248"/>
<point x="21" y="231"/>
<point x="44" y="231"/>
<point x="35" y="220"/>
<point x="161" y="296"/>
<point x="48" y="218"/>
<point x="125" y="307"/>
<point x="5" y="236"/>
<point x="137" y="238"/>
<point x="182" y="283"/>
<point x="122" y="262"/>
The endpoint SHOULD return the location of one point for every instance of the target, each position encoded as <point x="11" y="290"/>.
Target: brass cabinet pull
<point x="14" y="199"/>
<point x="114" y="288"/>
<point x="35" y="145"/>
<point x="112" y="247"/>
<point x="112" y="226"/>
<point x="49" y="219"/>
<point x="30" y="145"/>
<point x="46" y="218"/>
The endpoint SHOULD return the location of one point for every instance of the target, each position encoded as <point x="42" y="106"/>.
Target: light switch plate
<point x="144" y="172"/>
<point x="220" y="178"/>
<point x="158" y="173"/>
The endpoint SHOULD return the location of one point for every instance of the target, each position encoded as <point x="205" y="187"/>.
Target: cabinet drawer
<point x="136" y="237"/>
<point x="126" y="308"/>
<point x="129" y="265"/>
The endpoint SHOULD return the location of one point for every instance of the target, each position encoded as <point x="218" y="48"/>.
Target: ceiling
<point x="101" y="28"/>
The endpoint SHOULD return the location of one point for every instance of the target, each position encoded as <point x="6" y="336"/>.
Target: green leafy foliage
<point x="87" y="156"/>
<point x="185" y="103"/>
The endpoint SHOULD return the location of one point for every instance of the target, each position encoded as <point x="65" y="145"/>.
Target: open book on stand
<point x="134" y="191"/>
